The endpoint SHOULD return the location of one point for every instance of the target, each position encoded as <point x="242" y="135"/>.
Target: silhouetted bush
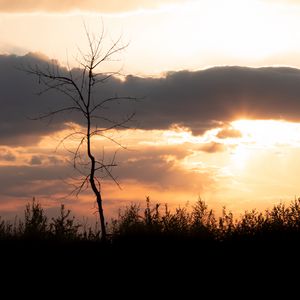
<point x="201" y="223"/>
<point x="64" y="227"/>
<point x="6" y="229"/>
<point x="156" y="222"/>
<point x="35" y="224"/>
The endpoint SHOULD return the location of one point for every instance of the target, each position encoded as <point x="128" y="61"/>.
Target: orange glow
<point x="241" y="163"/>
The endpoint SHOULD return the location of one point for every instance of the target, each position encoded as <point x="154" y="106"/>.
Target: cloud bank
<point x="198" y="100"/>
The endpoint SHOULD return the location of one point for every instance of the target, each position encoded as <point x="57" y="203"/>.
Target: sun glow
<point x="268" y="133"/>
<point x="261" y="139"/>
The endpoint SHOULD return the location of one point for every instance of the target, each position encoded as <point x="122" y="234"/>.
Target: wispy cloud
<point x="212" y="147"/>
<point x="102" y="6"/>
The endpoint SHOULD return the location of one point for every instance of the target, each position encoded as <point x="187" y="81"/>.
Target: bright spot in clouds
<point x="259" y="137"/>
<point x="268" y="132"/>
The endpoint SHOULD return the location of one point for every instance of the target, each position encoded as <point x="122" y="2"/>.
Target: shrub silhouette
<point x="35" y="224"/>
<point x="6" y="229"/>
<point x="64" y="227"/>
<point x="201" y="223"/>
<point x="129" y="222"/>
<point x="198" y="223"/>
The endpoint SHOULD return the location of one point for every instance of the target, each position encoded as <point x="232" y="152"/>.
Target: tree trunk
<point x="102" y="220"/>
<point x="96" y="190"/>
<point x="101" y="216"/>
<point x="97" y="193"/>
<point x="98" y="199"/>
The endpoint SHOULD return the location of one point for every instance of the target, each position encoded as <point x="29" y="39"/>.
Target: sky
<point x="219" y="84"/>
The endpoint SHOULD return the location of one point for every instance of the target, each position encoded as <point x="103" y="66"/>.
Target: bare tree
<point x="79" y="88"/>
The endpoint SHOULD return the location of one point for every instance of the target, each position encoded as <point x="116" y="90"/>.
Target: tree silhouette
<point x="78" y="86"/>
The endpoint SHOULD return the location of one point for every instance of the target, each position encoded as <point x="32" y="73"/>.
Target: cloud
<point x="153" y="151"/>
<point x="198" y="100"/>
<point x="53" y="160"/>
<point x="202" y="100"/>
<point x="28" y="181"/>
<point x="7" y="155"/>
<point x="212" y="147"/>
<point x="20" y="102"/>
<point x="160" y="167"/>
<point x="36" y="160"/>
<point x="102" y="6"/>
<point x="164" y="174"/>
<point x="229" y="133"/>
<point x="151" y="166"/>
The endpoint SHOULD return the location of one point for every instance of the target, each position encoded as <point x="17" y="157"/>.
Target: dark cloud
<point x="201" y="100"/>
<point x="28" y="181"/>
<point x="20" y="102"/>
<point x="164" y="174"/>
<point x="198" y="100"/>
<point x="82" y="5"/>
<point x="212" y="147"/>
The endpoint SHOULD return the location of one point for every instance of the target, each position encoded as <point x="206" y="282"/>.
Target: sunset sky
<point x="219" y="116"/>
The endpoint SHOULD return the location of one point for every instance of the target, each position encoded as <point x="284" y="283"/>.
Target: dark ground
<point x="175" y="268"/>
